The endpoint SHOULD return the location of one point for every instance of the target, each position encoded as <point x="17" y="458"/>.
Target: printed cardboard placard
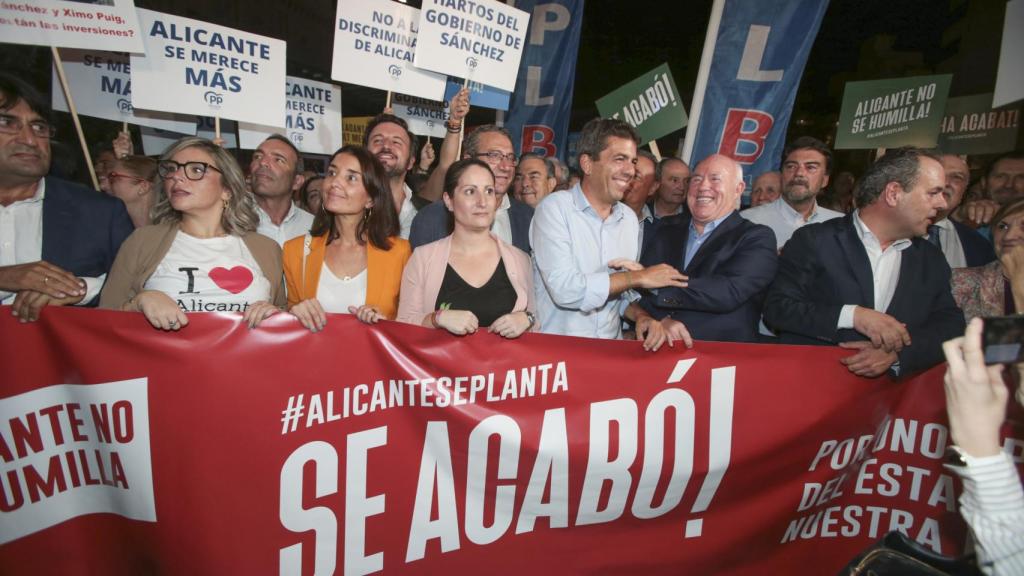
<point x="374" y="43"/>
<point x="194" y="67"/>
<point x="482" y="41"/>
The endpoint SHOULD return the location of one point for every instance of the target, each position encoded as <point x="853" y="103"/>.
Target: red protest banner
<point x="397" y="449"/>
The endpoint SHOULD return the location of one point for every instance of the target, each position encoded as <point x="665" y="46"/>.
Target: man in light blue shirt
<point x="581" y="236"/>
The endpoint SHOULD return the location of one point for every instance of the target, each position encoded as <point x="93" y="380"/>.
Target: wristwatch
<point x="531" y="318"/>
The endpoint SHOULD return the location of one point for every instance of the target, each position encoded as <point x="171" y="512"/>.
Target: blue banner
<point x="538" y="117"/>
<point x="480" y="96"/>
<point x="760" y="51"/>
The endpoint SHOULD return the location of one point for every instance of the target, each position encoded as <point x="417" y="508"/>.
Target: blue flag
<point x="538" y="117"/>
<point x="758" y="55"/>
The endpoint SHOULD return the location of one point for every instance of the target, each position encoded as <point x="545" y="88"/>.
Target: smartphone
<point x="1003" y="339"/>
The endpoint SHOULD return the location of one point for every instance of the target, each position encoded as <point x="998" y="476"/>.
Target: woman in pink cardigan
<point x="470" y="279"/>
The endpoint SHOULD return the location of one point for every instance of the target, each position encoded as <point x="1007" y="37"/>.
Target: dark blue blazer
<point x="82" y="228"/>
<point x="825" y="266"/>
<point x="729" y="276"/>
<point x="977" y="249"/>
<point x="431" y="223"/>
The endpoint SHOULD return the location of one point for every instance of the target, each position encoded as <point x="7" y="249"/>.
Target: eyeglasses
<point x="13" y="125"/>
<point x="113" y="175"/>
<point x="193" y="170"/>
<point x="495" y="157"/>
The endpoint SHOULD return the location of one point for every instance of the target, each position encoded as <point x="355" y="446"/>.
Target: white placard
<point x="313" y="123"/>
<point x="155" y="141"/>
<point x="101" y="433"/>
<point x="101" y="85"/>
<point x="1010" y="77"/>
<point x="374" y="44"/>
<point x="71" y="24"/>
<point x="425" y="117"/>
<point x="481" y="40"/>
<point x="194" y="67"/>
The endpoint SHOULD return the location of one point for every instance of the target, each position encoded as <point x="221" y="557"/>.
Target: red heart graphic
<point x="234" y="280"/>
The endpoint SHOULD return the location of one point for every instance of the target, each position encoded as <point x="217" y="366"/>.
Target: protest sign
<point x="754" y="56"/>
<point x="480" y="96"/>
<point x="892" y="113"/>
<point x="109" y="25"/>
<point x="374" y="43"/>
<point x="425" y="117"/>
<point x="650" y="103"/>
<point x="538" y="115"/>
<point x="481" y="41"/>
<point x="971" y="126"/>
<point x="1009" y="77"/>
<point x="155" y="141"/>
<point x="433" y="454"/>
<point x="194" y="67"/>
<point x="313" y="123"/>
<point x="354" y="129"/>
<point x="101" y="87"/>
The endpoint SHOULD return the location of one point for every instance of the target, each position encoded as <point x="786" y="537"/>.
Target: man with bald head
<point x="729" y="262"/>
<point x="766" y="189"/>
<point x="962" y="245"/>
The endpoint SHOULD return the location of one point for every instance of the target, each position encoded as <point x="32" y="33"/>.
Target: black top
<point x="489" y="302"/>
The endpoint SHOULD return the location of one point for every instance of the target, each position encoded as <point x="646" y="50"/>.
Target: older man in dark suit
<point x="729" y="262"/>
<point x="870" y="282"/>
<point x="57" y="239"/>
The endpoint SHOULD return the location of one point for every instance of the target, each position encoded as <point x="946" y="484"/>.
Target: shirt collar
<point x="581" y="203"/>
<point x="867" y="236"/>
<point x="710" y="226"/>
<point x="646" y="215"/>
<point x="792" y="214"/>
<point x="292" y="213"/>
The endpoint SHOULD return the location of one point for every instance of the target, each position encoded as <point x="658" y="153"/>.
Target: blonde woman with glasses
<point x="202" y="252"/>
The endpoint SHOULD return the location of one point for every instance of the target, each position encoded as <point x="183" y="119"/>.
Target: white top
<point x="21" y="240"/>
<point x="885" y="270"/>
<point x="337" y="294"/>
<point x="296" y="223"/>
<point x="992" y="504"/>
<point x="406" y="213"/>
<point x="783" y="220"/>
<point x="502" y="226"/>
<point x="952" y="248"/>
<point x="210" y="275"/>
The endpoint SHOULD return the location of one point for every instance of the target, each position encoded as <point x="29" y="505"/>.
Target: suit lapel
<point x="857" y="258"/>
<point x="57" y="220"/>
<point x="716" y="238"/>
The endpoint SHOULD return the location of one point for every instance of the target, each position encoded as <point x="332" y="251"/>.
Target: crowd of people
<point x="481" y="238"/>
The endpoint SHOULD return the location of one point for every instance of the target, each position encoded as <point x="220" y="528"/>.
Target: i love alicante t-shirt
<point x="210" y="275"/>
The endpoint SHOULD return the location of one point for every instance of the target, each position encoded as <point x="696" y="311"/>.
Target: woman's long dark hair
<point x="382" y="222"/>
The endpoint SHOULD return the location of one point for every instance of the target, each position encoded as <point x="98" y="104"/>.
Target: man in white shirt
<point x="57" y="239"/>
<point x="806" y="164"/>
<point x="275" y="174"/>
<point x="869" y="281"/>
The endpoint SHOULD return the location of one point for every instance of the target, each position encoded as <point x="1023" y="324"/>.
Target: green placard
<point x="651" y="104"/>
<point x="892" y="113"/>
<point x="972" y="126"/>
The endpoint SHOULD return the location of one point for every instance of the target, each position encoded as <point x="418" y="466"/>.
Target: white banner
<point x="155" y="141"/>
<point x="374" y="44"/>
<point x="102" y="436"/>
<point x="1010" y="78"/>
<point x="313" y="123"/>
<point x="482" y="40"/>
<point x="194" y="67"/>
<point x="101" y="85"/>
<point x="71" y="24"/>
<point x="425" y="117"/>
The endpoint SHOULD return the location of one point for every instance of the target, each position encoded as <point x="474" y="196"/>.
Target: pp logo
<point x="471" y="63"/>
<point x="296" y="138"/>
<point x="430" y="124"/>
<point x="395" y="71"/>
<point x="213" y="99"/>
<point x="125" y="106"/>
